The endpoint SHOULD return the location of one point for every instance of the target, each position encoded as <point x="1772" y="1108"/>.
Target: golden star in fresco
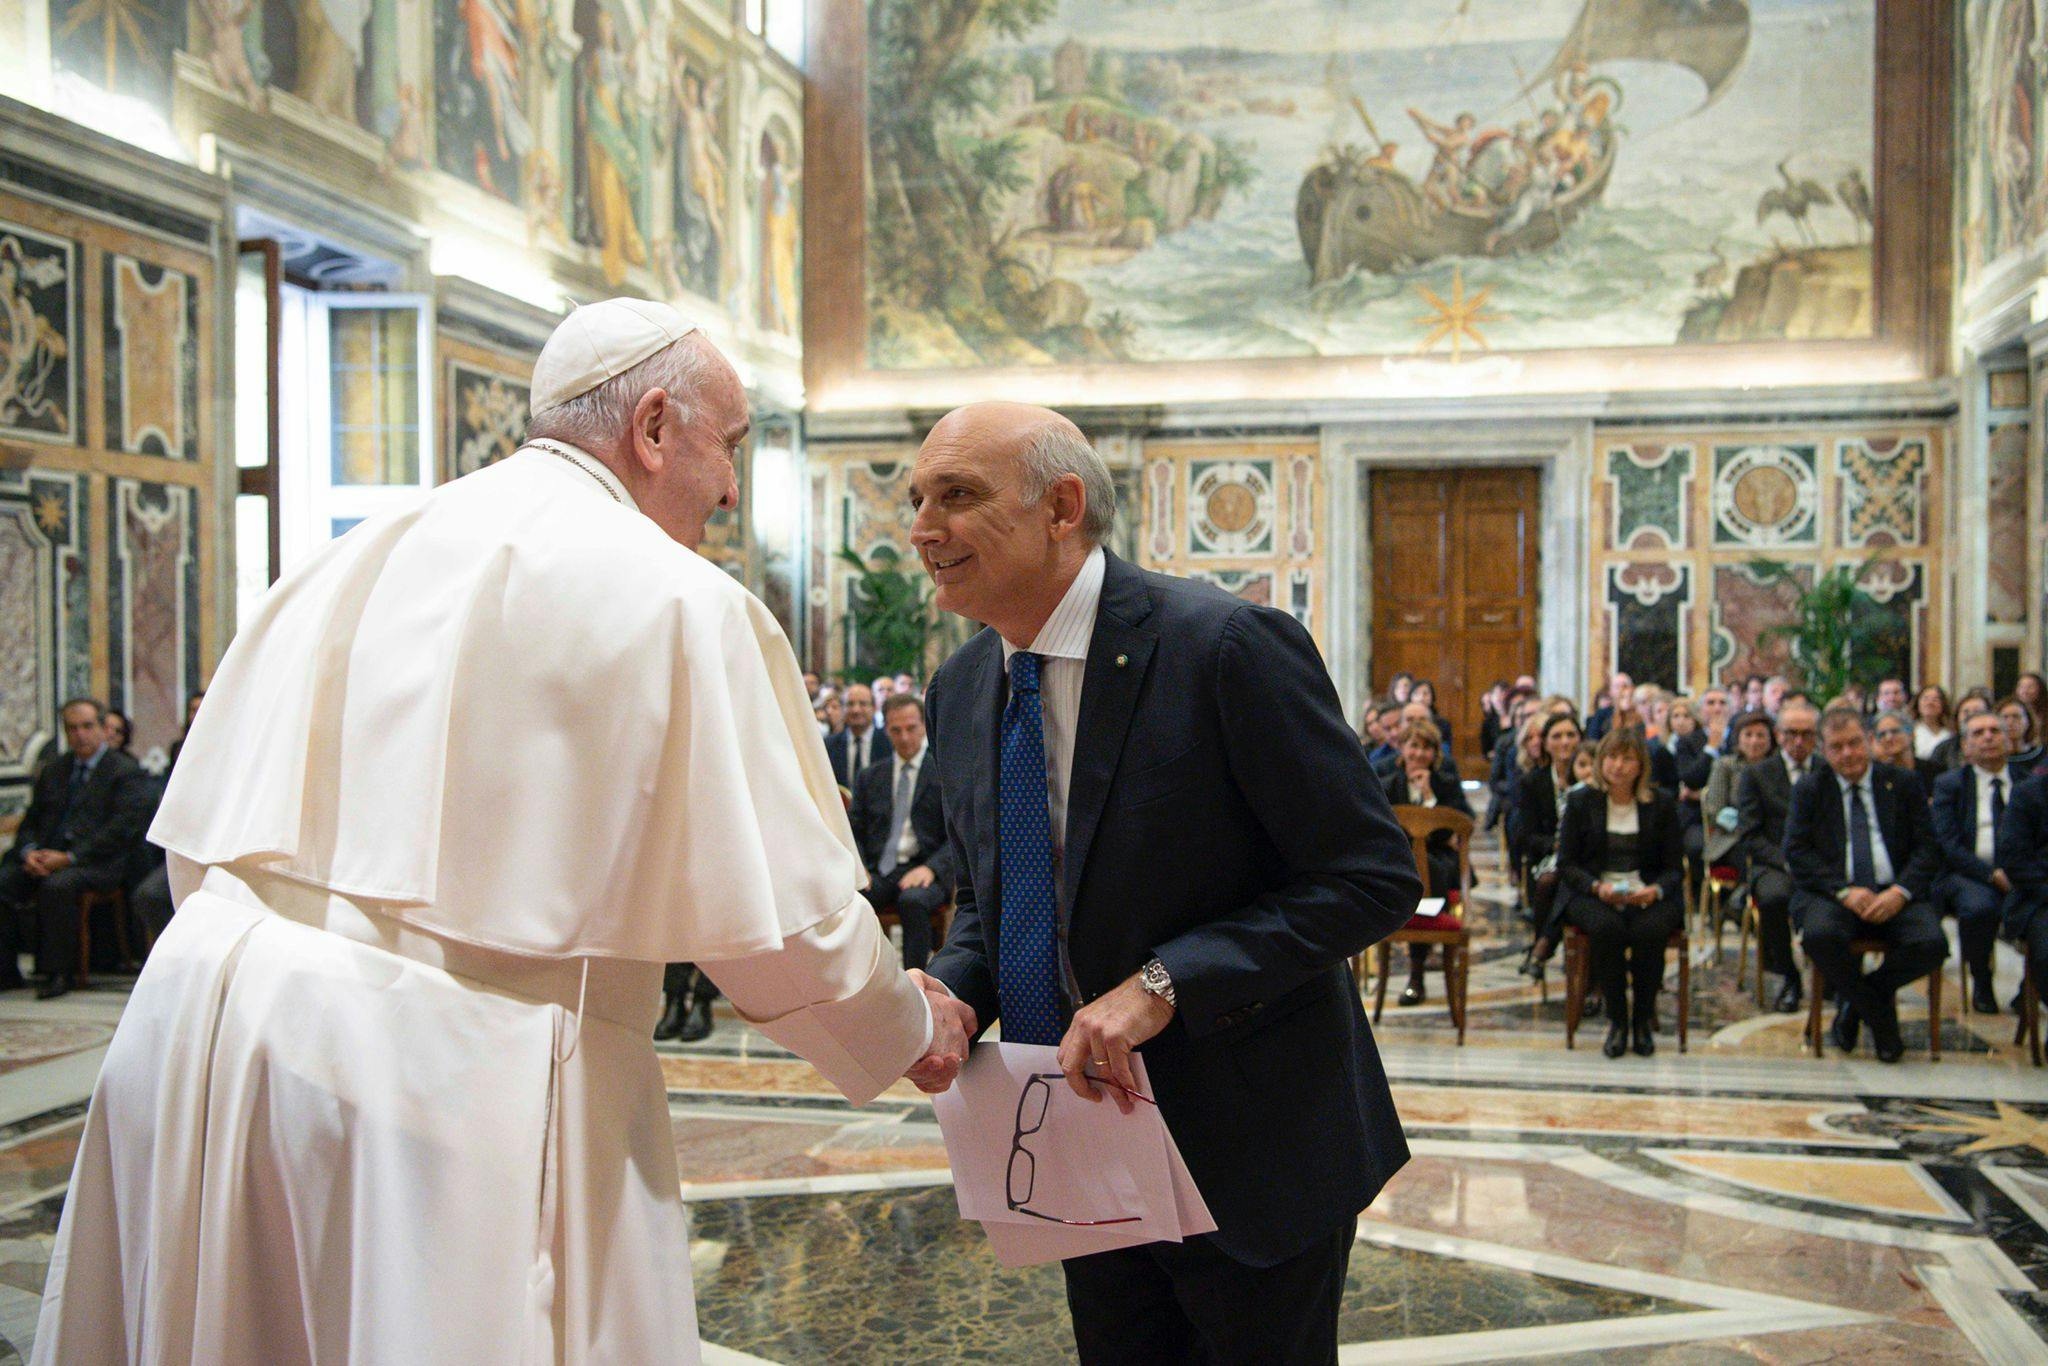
<point x="2011" y="1127"/>
<point x="50" y="514"/>
<point x="117" y="19"/>
<point x="1456" y="319"/>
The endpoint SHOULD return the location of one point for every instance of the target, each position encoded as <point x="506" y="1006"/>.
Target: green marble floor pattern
<point x="895" y="1275"/>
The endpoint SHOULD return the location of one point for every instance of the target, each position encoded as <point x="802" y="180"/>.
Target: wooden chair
<point x="1419" y="823"/>
<point x="115" y="901"/>
<point x="2029" y="1031"/>
<point x="1816" y="990"/>
<point x="1578" y="966"/>
<point x="942" y="918"/>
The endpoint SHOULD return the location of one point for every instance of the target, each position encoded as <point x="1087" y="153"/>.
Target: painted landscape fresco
<point x="1172" y="180"/>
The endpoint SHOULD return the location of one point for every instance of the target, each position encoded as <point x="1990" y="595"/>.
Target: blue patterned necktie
<point x="1026" y="979"/>
<point x="1862" y="862"/>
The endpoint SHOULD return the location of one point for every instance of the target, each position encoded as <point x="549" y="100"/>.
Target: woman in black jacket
<point x="1420" y="781"/>
<point x="1542" y="803"/>
<point x="1619" y="864"/>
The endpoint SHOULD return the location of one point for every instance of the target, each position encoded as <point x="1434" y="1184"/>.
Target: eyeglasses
<point x="1032" y="1103"/>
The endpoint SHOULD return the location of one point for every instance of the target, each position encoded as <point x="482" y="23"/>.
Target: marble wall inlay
<point x="44" y="648"/>
<point x="1652" y="506"/>
<point x="151" y="343"/>
<point x="39" y="299"/>
<point x="153" y="610"/>
<point x="1881" y="481"/>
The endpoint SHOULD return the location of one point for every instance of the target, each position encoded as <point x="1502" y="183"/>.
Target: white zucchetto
<point x="598" y="342"/>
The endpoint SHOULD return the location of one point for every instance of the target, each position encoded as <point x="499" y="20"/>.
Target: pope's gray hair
<point x="598" y="417"/>
<point x="1057" y="451"/>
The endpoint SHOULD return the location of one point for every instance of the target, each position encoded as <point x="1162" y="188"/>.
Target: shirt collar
<point x="1863" y="783"/>
<point x="552" y="449"/>
<point x="1068" y="631"/>
<point x="1998" y="772"/>
<point x="91" y="761"/>
<point x="1790" y="766"/>
<point x="914" y="760"/>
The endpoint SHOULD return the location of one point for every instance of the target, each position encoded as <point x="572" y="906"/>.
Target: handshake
<point x="953" y="1024"/>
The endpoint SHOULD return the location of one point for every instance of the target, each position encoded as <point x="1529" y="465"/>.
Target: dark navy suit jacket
<point x="1955" y="820"/>
<point x="2022" y="851"/>
<point x="1221" y="816"/>
<point x="1817" y="834"/>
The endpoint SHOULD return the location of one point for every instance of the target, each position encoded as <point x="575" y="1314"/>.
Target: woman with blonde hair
<point x="1619" y="864"/>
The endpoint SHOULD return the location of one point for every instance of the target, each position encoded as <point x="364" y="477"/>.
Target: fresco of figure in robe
<point x="611" y="166"/>
<point x="701" y="180"/>
<point x="2004" y="205"/>
<point x="339" y="56"/>
<point x="483" y="133"/>
<point x="781" y="226"/>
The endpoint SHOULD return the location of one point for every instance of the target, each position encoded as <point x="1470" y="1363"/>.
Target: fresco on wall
<point x="1173" y="180"/>
<point x="1999" y="145"/>
<point x="122" y="47"/>
<point x="483" y="130"/>
<point x="778" y="305"/>
<point x="694" y="256"/>
<point x="339" y="56"/>
<point x="485" y="414"/>
<point x="608" y="146"/>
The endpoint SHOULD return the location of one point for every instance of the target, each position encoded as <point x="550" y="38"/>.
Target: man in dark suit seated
<point x="861" y="743"/>
<point x="899" y="826"/>
<point x="1861" y="847"/>
<point x="2022" y="852"/>
<point x="77" y="836"/>
<point x="1968" y="805"/>
<point x="1168" y="840"/>
<point x="1762" y="799"/>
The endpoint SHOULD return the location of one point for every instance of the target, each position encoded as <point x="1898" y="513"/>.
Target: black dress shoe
<point x="1617" y="1040"/>
<point x="1789" y="997"/>
<point x="671" y="1019"/>
<point x="59" y="984"/>
<point x="697" y="1022"/>
<point x="1984" y="1000"/>
<point x="1846" y="1029"/>
<point x="1413" y="994"/>
<point x="1884" y="1035"/>
<point x="1645" y="1039"/>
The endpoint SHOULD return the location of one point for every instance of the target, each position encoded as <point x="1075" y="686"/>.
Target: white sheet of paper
<point x="1430" y="905"/>
<point x="1092" y="1161"/>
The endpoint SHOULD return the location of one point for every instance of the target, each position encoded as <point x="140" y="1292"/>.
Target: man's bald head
<point x="1009" y="501"/>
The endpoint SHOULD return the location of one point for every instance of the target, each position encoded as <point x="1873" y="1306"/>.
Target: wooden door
<point x="1454" y="586"/>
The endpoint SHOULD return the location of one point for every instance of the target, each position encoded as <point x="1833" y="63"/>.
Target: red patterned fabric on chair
<point x="1451" y="917"/>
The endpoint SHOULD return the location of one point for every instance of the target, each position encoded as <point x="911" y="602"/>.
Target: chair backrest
<point x="1420" y="822"/>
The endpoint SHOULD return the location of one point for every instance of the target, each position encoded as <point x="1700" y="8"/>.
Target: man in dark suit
<point x="861" y="743"/>
<point x="2022" y="852"/>
<point x="1621" y="694"/>
<point x="1861" y="848"/>
<point x="1762" y="799"/>
<point x="1967" y="807"/>
<point x="1168" y="840"/>
<point x="899" y="826"/>
<point x="80" y="830"/>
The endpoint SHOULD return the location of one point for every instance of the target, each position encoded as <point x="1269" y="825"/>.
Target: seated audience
<point x="1930" y="720"/>
<point x="1621" y="697"/>
<point x="149" y="900"/>
<point x="1691" y="766"/>
<point x="1860" y="843"/>
<point x="2022" y="854"/>
<point x="2022" y="737"/>
<point x="1424" y="692"/>
<point x="1398" y="688"/>
<point x="899" y="827"/>
<point x="1720" y="812"/>
<point x="1419" y="780"/>
<point x="1753" y="693"/>
<point x="1411" y="715"/>
<point x="83" y="821"/>
<point x="1777" y="691"/>
<point x="1619" y="870"/>
<point x="1504" y="777"/>
<point x="831" y="713"/>
<point x="1949" y="753"/>
<point x="1493" y="714"/>
<point x="1387" y="733"/>
<point x="1891" y="695"/>
<point x="861" y="742"/>
<point x="2032" y="691"/>
<point x="119" y="731"/>
<point x="1716" y="709"/>
<point x="1968" y="804"/>
<point x="1764" y="798"/>
<point x="1891" y="741"/>
<point x="1545" y="782"/>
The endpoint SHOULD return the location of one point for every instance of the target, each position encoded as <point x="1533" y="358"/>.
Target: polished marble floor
<point x="1736" y="1203"/>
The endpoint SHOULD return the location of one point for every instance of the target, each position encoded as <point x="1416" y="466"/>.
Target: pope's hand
<point x="953" y="1024"/>
<point x="1103" y="1034"/>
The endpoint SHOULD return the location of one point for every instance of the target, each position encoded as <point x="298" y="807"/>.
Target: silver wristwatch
<point x="1154" y="979"/>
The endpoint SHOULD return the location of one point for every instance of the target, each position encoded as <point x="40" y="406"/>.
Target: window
<point x="753" y="13"/>
<point x="785" y="29"/>
<point x="357" y="436"/>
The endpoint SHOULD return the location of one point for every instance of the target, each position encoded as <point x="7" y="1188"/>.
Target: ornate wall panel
<point x="1668" y="529"/>
<point x="1246" y="515"/>
<point x="152" y="622"/>
<point x="108" y="524"/>
<point x="484" y="393"/>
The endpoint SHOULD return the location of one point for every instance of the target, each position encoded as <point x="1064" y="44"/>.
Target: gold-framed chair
<point x="116" y="902"/>
<point x="1419" y="823"/>
<point x="1816" y="992"/>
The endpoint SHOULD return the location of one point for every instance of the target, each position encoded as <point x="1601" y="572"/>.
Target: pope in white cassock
<point x="467" y="779"/>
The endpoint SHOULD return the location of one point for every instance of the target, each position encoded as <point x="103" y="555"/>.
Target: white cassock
<point x="386" y="1090"/>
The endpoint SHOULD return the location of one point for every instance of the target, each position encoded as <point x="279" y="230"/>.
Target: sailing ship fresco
<point x="1498" y="191"/>
<point x="1168" y="180"/>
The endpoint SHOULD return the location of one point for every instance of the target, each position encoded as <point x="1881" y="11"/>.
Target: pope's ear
<point x="645" y="429"/>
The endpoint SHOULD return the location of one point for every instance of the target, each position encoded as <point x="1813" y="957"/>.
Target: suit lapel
<point x="1119" y="654"/>
<point x="986" y="693"/>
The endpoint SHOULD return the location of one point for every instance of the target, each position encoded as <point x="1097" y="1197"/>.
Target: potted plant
<point x="892" y="616"/>
<point x="1841" y="634"/>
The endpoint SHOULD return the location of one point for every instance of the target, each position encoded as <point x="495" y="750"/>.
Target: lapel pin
<point x="1122" y="660"/>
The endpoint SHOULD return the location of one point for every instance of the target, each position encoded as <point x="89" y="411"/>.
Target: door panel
<point x="1454" y="576"/>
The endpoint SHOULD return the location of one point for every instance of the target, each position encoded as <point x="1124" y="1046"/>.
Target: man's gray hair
<point x="597" y="417"/>
<point x="1057" y="452"/>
